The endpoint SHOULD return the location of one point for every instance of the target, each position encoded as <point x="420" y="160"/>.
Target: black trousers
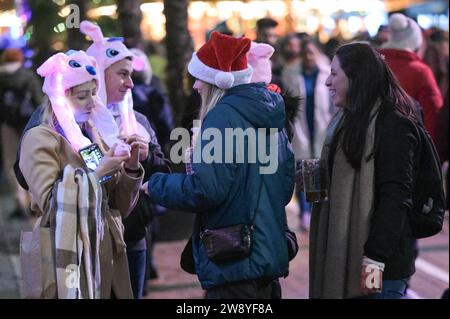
<point x="261" y="288"/>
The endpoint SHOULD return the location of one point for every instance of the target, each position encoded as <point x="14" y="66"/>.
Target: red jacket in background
<point x="417" y="79"/>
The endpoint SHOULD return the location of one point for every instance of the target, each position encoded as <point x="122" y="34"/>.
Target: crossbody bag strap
<point x="255" y="211"/>
<point x="257" y="201"/>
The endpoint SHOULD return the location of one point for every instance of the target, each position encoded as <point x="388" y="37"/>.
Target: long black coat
<point x="396" y="165"/>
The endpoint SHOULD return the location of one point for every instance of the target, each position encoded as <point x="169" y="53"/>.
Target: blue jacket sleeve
<point x="209" y="186"/>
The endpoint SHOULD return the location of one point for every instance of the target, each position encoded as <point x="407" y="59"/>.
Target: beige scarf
<point x="340" y="226"/>
<point x="78" y="231"/>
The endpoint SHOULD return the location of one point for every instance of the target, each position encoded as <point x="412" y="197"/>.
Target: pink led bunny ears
<point x="62" y="72"/>
<point x="108" y="51"/>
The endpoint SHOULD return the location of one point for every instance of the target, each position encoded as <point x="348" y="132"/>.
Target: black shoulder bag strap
<point x="252" y="221"/>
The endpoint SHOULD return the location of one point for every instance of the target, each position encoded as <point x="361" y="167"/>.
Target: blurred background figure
<point x="415" y="77"/>
<point x="222" y="27"/>
<point x="290" y="48"/>
<point x="20" y="95"/>
<point x="435" y="55"/>
<point x="315" y="113"/>
<point x="266" y="32"/>
<point x="150" y="99"/>
<point x="381" y="37"/>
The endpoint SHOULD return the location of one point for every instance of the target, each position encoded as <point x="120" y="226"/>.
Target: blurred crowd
<point x="300" y="68"/>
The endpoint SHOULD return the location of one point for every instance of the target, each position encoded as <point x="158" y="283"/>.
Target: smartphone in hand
<point x="92" y="155"/>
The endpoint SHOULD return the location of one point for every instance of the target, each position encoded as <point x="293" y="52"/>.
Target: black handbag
<point x="231" y="242"/>
<point x="228" y="243"/>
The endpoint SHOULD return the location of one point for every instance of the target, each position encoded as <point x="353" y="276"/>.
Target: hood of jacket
<point x="257" y="105"/>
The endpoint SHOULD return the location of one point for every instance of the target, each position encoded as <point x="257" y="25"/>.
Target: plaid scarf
<point x="78" y="231"/>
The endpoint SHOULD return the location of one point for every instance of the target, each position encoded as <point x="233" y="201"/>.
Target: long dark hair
<point x="370" y="79"/>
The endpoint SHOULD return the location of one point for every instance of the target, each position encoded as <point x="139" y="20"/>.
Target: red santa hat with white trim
<point x="222" y="61"/>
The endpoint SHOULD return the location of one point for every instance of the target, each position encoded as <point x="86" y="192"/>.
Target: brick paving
<point x="174" y="283"/>
<point x="429" y="281"/>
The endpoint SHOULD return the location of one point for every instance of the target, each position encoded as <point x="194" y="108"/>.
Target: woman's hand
<point x="371" y="280"/>
<point x="143" y="145"/>
<point x="132" y="162"/>
<point x="110" y="164"/>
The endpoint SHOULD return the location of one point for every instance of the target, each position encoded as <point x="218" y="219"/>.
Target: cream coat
<point x="323" y="112"/>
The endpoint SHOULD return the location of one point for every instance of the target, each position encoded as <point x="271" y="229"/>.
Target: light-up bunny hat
<point x="108" y="51"/>
<point x="63" y="71"/>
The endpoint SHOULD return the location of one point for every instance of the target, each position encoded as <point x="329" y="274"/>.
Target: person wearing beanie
<point x="116" y="64"/>
<point x="63" y="184"/>
<point x="416" y="78"/>
<point x="20" y="95"/>
<point x="231" y="189"/>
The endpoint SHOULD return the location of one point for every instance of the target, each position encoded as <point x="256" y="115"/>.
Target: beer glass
<point x="315" y="181"/>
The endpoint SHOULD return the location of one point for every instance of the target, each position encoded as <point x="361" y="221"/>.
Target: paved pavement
<point x="430" y="280"/>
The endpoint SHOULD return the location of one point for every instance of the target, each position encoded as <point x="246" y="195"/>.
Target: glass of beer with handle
<point x="315" y="181"/>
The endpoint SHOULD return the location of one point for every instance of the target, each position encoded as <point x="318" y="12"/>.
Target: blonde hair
<point x="211" y="94"/>
<point x="48" y="117"/>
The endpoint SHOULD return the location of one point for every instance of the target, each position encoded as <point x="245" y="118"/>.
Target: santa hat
<point x="108" y="51"/>
<point x="63" y="71"/>
<point x="404" y="33"/>
<point x="259" y="59"/>
<point x="222" y="61"/>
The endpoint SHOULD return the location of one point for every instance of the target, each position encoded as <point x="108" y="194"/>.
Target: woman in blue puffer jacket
<point x="228" y="181"/>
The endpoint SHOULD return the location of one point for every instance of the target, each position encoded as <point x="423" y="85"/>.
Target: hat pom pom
<point x="224" y="80"/>
<point x="398" y="22"/>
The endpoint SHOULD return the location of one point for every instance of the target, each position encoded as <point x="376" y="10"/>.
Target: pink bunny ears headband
<point x="75" y="67"/>
<point x="63" y="71"/>
<point x="108" y="51"/>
